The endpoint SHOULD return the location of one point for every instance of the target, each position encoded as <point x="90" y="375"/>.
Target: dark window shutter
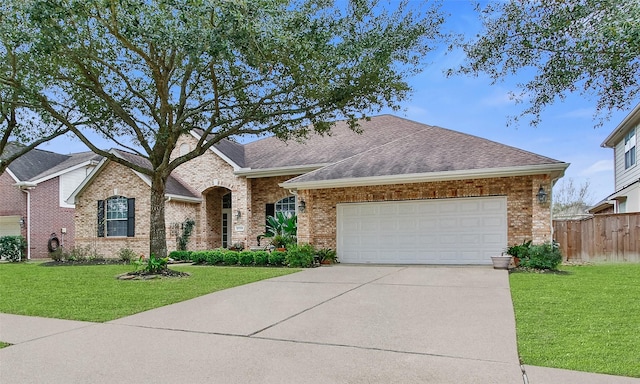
<point x="270" y="210"/>
<point x="131" y="217"/>
<point x="101" y="222"/>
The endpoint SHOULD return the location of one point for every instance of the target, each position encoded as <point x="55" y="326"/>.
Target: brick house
<point x="401" y="192"/>
<point x="34" y="190"/>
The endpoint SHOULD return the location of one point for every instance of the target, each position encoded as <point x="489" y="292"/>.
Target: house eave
<point x="616" y="135"/>
<point x="184" y="199"/>
<point x="66" y="170"/>
<point x="250" y="173"/>
<point x="555" y="170"/>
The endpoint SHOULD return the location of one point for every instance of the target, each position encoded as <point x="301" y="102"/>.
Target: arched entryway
<point x="218" y="217"/>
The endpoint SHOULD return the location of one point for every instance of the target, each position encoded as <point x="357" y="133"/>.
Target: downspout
<point x="26" y="187"/>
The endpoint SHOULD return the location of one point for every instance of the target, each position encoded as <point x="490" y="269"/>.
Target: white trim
<point x="66" y="170"/>
<point x="556" y="169"/>
<point x="13" y="176"/>
<point x="72" y="198"/>
<point x="145" y="178"/>
<point x="235" y="166"/>
<point x="279" y="171"/>
<point x="619" y="131"/>
<point x="185" y="199"/>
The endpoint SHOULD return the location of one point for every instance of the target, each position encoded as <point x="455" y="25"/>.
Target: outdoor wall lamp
<point x="22" y="222"/>
<point x="542" y="195"/>
<point x="238" y="214"/>
<point x="302" y="206"/>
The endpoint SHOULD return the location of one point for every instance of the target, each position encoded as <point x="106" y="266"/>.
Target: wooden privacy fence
<point x="612" y="238"/>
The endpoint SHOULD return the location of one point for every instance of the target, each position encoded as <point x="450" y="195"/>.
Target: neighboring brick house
<point x="34" y="190"/>
<point x="623" y="140"/>
<point x="401" y="192"/>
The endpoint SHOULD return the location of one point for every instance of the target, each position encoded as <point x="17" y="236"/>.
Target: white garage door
<point x="443" y="231"/>
<point x="9" y="226"/>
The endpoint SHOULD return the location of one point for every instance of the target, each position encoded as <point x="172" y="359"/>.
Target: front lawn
<point x="587" y="319"/>
<point x="92" y="293"/>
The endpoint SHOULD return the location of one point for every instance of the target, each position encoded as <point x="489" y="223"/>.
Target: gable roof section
<point x="33" y="163"/>
<point x="74" y="161"/>
<point x="428" y="153"/>
<point x="175" y="188"/>
<point x="227" y="150"/>
<point x="340" y="144"/>
<point x="630" y="121"/>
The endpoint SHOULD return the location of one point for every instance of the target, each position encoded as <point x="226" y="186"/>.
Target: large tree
<point x="591" y="47"/>
<point x="154" y="70"/>
<point x="21" y="127"/>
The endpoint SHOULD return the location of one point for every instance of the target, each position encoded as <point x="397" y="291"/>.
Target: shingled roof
<point x="174" y="185"/>
<point x="388" y="146"/>
<point x="428" y="150"/>
<point x="33" y="163"/>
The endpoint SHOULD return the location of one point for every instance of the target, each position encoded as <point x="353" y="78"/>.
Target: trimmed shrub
<point x="230" y="258"/>
<point x="215" y="257"/>
<point x="180" y="255"/>
<point x="126" y="255"/>
<point x="57" y="255"/>
<point x="12" y="247"/>
<point x="199" y="257"/>
<point x="260" y="257"/>
<point x="300" y="256"/>
<point x="245" y="258"/>
<point x="277" y="258"/>
<point x="542" y="256"/>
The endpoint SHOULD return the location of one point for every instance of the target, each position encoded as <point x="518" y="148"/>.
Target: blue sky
<point x="472" y="105"/>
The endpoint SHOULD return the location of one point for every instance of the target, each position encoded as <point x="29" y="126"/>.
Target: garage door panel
<point x="445" y="231"/>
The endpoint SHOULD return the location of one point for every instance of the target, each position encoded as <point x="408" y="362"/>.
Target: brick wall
<point x="13" y="201"/>
<point x="102" y="187"/>
<point x="264" y="191"/>
<point x="47" y="217"/>
<point x="527" y="219"/>
<point x="213" y="177"/>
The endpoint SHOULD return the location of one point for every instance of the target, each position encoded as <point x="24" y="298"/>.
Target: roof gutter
<point x="556" y="170"/>
<point x="278" y="171"/>
<point x="184" y="199"/>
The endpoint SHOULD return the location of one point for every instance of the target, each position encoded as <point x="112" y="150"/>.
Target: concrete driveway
<point x="339" y="324"/>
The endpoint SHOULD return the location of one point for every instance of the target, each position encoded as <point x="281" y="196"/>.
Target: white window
<point x="117" y="216"/>
<point x="630" y="149"/>
<point x="287" y="206"/>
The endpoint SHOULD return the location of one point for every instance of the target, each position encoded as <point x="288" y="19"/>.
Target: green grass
<point x="587" y="319"/>
<point x="3" y="344"/>
<point x="92" y="293"/>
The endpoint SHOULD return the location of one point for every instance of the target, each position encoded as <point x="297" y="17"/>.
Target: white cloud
<point x="597" y="167"/>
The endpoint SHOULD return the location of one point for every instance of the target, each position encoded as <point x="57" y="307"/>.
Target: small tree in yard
<point x="154" y="70"/>
<point x="569" y="200"/>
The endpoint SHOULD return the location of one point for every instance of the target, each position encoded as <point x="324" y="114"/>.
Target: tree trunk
<point x="157" y="228"/>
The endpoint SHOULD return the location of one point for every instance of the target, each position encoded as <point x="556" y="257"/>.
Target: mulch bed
<point x="84" y="262"/>
<point x="144" y="275"/>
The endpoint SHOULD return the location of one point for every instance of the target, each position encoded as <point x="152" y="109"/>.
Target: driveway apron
<point x="338" y="324"/>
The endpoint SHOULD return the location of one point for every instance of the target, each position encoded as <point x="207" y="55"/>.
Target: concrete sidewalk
<point x="340" y="324"/>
